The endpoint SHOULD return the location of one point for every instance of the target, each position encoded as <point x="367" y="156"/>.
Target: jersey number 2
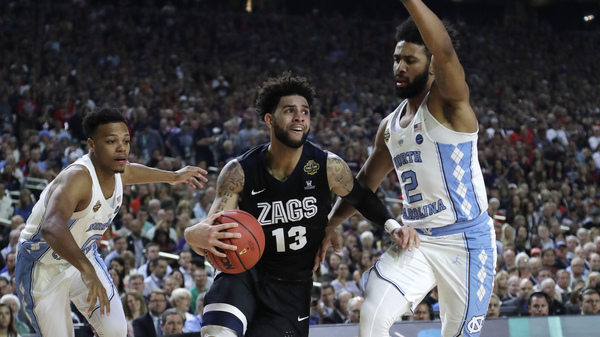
<point x="411" y="186"/>
<point x="297" y="233"/>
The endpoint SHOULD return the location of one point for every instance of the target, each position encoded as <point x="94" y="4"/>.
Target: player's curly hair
<point x="99" y="117"/>
<point x="408" y="31"/>
<point x="285" y="85"/>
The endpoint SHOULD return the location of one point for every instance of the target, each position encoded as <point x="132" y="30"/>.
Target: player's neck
<point x="106" y="178"/>
<point x="281" y="160"/>
<point x="415" y="102"/>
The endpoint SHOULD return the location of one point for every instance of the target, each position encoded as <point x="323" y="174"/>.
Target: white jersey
<point x="438" y="169"/>
<point x="86" y="226"/>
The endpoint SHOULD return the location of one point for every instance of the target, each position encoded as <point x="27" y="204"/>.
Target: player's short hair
<point x="99" y="117"/>
<point x="285" y="85"/>
<point x="409" y="32"/>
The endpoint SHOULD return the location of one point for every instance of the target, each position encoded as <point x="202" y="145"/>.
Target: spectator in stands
<point x="152" y="250"/>
<point x="513" y="288"/>
<point x="6" y="206"/>
<point x="171" y="322"/>
<point x="493" y="310"/>
<point x="537" y="304"/>
<point x="423" y="312"/>
<point x="158" y="271"/>
<point x="577" y="271"/>
<point x="134" y="306"/>
<point x="354" y="305"/>
<point x="15" y="306"/>
<point x="501" y="284"/>
<point x="327" y="298"/>
<point x="136" y="241"/>
<point x="181" y="299"/>
<point x="136" y="282"/>
<point x="7" y="321"/>
<point x="340" y="313"/>
<point x="589" y="301"/>
<point x="25" y="204"/>
<point x="342" y="282"/>
<point x="200" y="283"/>
<point x="119" y="246"/>
<point x="148" y="325"/>
<point x="555" y="304"/>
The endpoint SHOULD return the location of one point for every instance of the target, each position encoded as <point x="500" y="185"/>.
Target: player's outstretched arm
<point x="69" y="193"/>
<point x="140" y="174"/>
<point x="206" y="236"/>
<point x="449" y="97"/>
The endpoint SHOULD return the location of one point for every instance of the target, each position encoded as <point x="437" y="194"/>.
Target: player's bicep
<point x="339" y="175"/>
<point x="379" y="164"/>
<point x="230" y="185"/>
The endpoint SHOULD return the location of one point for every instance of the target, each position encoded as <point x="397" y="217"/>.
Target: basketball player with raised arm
<point x="57" y="261"/>
<point x="431" y="142"/>
<point x="287" y="185"/>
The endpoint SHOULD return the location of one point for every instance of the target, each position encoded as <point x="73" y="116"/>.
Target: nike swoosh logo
<point x="257" y="192"/>
<point x="300" y="319"/>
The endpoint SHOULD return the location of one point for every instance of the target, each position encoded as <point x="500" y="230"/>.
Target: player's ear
<point x="90" y="144"/>
<point x="269" y="120"/>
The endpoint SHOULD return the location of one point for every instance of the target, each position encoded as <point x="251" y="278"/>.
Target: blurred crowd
<point x="186" y="80"/>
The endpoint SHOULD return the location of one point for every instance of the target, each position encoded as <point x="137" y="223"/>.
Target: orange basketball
<point x="250" y="246"/>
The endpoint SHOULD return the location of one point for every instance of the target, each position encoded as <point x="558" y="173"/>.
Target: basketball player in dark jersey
<point x="287" y="185"/>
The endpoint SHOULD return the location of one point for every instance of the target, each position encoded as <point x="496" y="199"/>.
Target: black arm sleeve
<point x="368" y="204"/>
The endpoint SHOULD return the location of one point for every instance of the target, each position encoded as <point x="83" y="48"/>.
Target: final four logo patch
<point x="97" y="206"/>
<point x="311" y="167"/>
<point x="386" y="136"/>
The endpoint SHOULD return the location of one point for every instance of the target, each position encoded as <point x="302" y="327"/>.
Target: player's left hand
<point x="190" y="175"/>
<point x="330" y="240"/>
<point x="406" y="236"/>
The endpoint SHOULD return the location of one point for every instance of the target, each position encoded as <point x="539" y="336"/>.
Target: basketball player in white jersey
<point x="431" y="142"/>
<point x="57" y="261"/>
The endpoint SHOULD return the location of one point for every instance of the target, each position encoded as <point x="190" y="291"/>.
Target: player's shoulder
<point x="76" y="175"/>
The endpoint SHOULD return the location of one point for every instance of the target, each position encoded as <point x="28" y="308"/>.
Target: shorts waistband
<point x="455" y="228"/>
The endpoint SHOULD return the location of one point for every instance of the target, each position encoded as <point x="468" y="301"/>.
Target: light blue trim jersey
<point x="86" y="226"/>
<point x="438" y="169"/>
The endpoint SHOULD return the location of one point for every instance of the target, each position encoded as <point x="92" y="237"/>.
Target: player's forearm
<point x="62" y="242"/>
<point x="140" y="174"/>
<point x="432" y="29"/>
<point x="341" y="211"/>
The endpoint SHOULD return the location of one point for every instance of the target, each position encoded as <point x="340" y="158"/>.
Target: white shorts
<point x="462" y="266"/>
<point x="46" y="289"/>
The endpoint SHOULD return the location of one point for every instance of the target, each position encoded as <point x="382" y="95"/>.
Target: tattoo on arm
<point x="229" y="183"/>
<point x="339" y="171"/>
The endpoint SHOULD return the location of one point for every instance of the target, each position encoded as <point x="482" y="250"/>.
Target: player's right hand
<point x="330" y="240"/>
<point x="206" y="236"/>
<point x="96" y="292"/>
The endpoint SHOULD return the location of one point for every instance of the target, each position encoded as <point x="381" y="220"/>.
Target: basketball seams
<point x="248" y="230"/>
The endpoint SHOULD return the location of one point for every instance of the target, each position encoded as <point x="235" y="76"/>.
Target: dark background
<point x="561" y="14"/>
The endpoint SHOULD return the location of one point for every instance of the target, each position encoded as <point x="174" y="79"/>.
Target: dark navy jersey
<point x="293" y="213"/>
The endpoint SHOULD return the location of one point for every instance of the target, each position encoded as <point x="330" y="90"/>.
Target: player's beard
<point x="283" y="137"/>
<point x="416" y="86"/>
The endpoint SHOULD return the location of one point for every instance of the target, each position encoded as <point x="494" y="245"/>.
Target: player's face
<point x="110" y="145"/>
<point x="173" y="325"/>
<point x="291" y="121"/>
<point x="411" y="69"/>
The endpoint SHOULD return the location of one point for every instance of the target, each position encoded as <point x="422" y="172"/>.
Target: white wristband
<point x="390" y="225"/>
